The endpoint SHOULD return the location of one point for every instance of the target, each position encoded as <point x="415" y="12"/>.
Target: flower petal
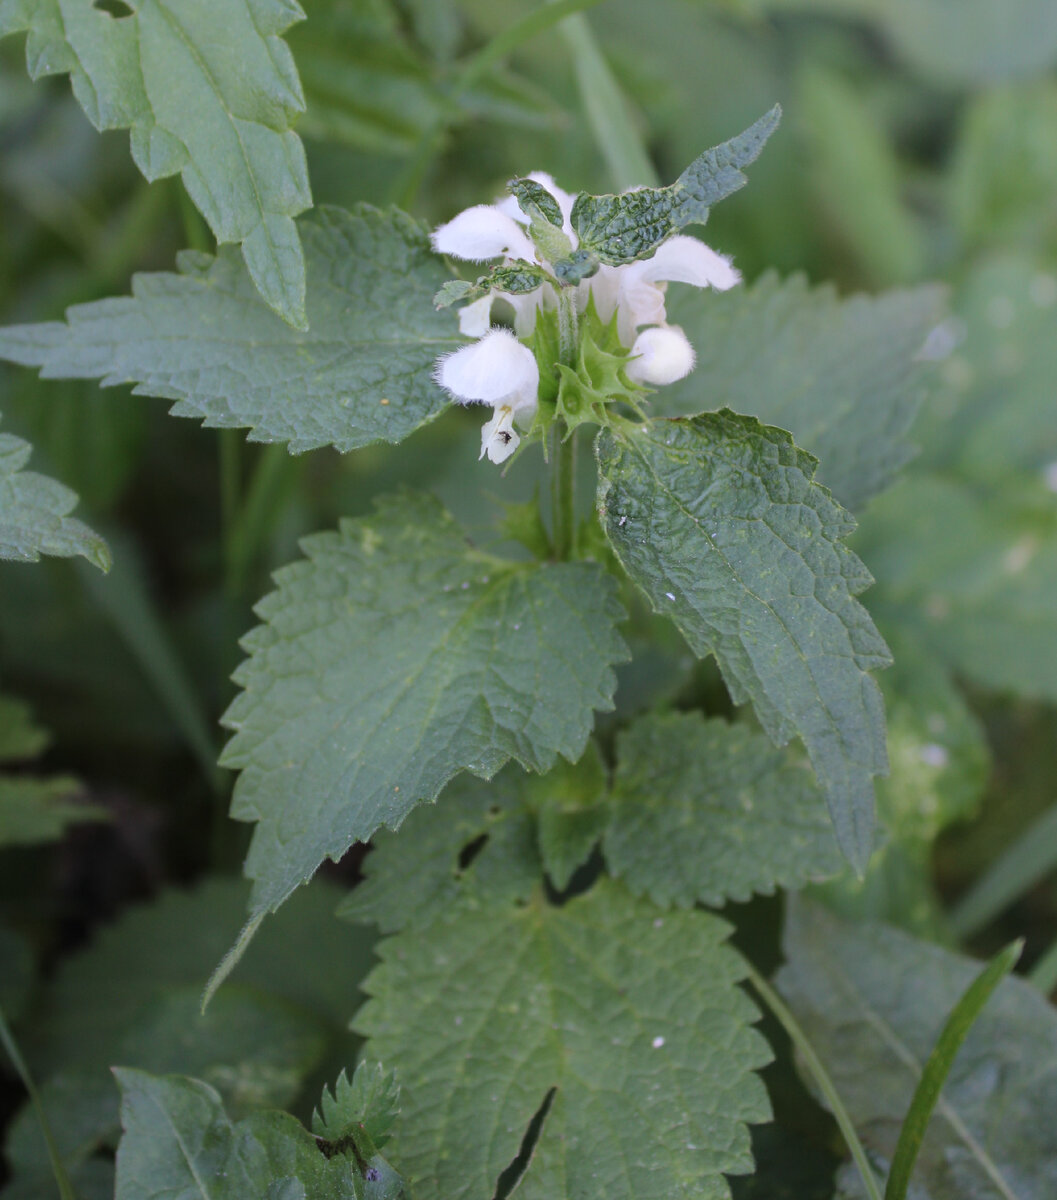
<point x="498" y="437"/>
<point x="475" y="318"/>
<point x="684" y="259"/>
<point x="480" y="233"/>
<point x="494" y="370"/>
<point x="660" y="356"/>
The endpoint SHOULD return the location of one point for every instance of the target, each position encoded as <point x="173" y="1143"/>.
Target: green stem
<point x="811" y="1060"/>
<point x="564" y="495"/>
<point x="57" y="1166"/>
<point x="533" y="23"/>
<point x="611" y="120"/>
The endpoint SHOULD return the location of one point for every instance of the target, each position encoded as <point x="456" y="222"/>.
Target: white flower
<point x="500" y="371"/>
<point x="660" y="355"/>
<point x="636" y="293"/>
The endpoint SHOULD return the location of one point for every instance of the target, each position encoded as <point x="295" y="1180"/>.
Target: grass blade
<point x="939" y="1064"/>
<point x="1030" y="858"/>
<point x="59" y="1171"/>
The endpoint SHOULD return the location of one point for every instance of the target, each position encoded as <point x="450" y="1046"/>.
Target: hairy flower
<point x="495" y="370"/>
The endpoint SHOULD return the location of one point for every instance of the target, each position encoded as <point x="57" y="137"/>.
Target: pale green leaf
<point x="623" y="1025"/>
<point x="39" y="810"/>
<point x="479" y="835"/>
<point x="971" y="579"/>
<point x="34" y="513"/>
<point x="857" y="179"/>
<point x="623" y="228"/>
<point x="208" y="89"/>
<point x="203" y="338"/>
<point x="873" y="1001"/>
<point x="1003" y="174"/>
<point x="369" y="1101"/>
<point x="994" y="421"/>
<point x="841" y="374"/>
<point x="179" y="1141"/>
<point x="20" y="736"/>
<point x="971" y="42"/>
<point x="719" y="521"/>
<point x="392" y="658"/>
<point x="705" y="811"/>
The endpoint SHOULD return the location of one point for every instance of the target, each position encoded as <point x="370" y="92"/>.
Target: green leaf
<point x="1004" y="170"/>
<point x="621" y="1028"/>
<point x="572" y="812"/>
<point x="874" y="1000"/>
<point x="133" y="997"/>
<point x="178" y="1141"/>
<point x="993" y="421"/>
<point x="841" y="374"/>
<point x="34" y="810"/>
<point x="971" y="578"/>
<point x="479" y="835"/>
<point x="971" y="43"/>
<point x="208" y="89"/>
<point x="392" y="658"/>
<point x="369" y="1101"/>
<point x="620" y="229"/>
<point x="719" y="521"/>
<point x="704" y="811"/>
<point x="39" y="810"/>
<point x="857" y="178"/>
<point x="362" y="373"/>
<point x="34" y="512"/>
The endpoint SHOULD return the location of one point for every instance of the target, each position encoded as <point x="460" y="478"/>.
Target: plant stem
<point x="826" y="1086"/>
<point x="564" y="495"/>
<point x="57" y="1166"/>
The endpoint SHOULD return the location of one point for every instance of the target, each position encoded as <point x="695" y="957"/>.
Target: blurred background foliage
<point x="919" y="143"/>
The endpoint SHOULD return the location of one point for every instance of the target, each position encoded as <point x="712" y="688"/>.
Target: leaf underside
<point x="362" y="374"/>
<point x="719" y="521"/>
<point x="209" y="90"/>
<point x="394" y="657"/>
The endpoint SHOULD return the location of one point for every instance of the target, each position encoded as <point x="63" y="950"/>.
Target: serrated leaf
<point x="971" y="578"/>
<point x="361" y="374"/>
<point x="630" y="1022"/>
<point x="873" y="1000"/>
<point x="34" y="513"/>
<point x="719" y="521"/>
<point x="478" y="836"/>
<point x="370" y="1101"/>
<point x="133" y="997"/>
<point x="392" y="658"/>
<point x="620" y="229"/>
<point x="705" y="811"/>
<point x="842" y="375"/>
<point x="572" y="812"/>
<point x="178" y="1141"/>
<point x="34" y="810"/>
<point x="208" y="89"/>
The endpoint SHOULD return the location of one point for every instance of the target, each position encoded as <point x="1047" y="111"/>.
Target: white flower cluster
<point x="499" y="370"/>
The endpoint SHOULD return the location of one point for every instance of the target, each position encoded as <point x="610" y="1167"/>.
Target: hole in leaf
<point x="511" y="1177"/>
<point x="116" y="8"/>
<point x="471" y="850"/>
<point x="583" y="880"/>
